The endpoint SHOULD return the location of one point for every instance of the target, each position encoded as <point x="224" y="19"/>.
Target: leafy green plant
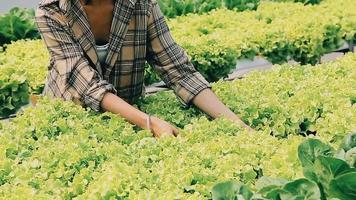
<point x="308" y="1"/>
<point x="174" y="8"/>
<point x="150" y="75"/>
<point x="293" y="100"/>
<point x="230" y="190"/>
<point x="242" y="5"/>
<point x="17" y="24"/>
<point x="284" y="101"/>
<point x="279" y="32"/>
<point x="327" y="171"/>
<point x="59" y="150"/>
<point x="348" y="150"/>
<point x="325" y="177"/>
<point x="13" y="90"/>
<point x="31" y="58"/>
<point x="172" y="110"/>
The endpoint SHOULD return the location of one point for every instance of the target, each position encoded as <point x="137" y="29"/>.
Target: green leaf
<point x="11" y="153"/>
<point x="274" y="194"/>
<point x="310" y="149"/>
<point x="267" y="184"/>
<point x="344" y="187"/>
<point x="231" y="190"/>
<point x="349" y="142"/>
<point x="350" y="157"/>
<point x="301" y="189"/>
<point x="327" y="168"/>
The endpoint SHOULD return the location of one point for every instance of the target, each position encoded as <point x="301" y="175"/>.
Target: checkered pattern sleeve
<point x="70" y="76"/>
<point x="170" y="60"/>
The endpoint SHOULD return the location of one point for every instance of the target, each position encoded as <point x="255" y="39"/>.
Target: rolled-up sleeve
<point x="170" y="60"/>
<point x="70" y="77"/>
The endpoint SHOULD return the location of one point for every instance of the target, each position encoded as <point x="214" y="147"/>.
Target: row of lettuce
<point x="19" y="23"/>
<point x="276" y="31"/>
<point x="58" y="150"/>
<point x="174" y="8"/>
<point x="287" y="100"/>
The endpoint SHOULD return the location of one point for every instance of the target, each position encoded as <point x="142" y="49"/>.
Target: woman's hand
<point x="208" y="102"/>
<point x="161" y="128"/>
<point x="241" y="123"/>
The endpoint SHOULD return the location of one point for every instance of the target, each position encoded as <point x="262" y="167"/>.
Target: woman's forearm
<point x="115" y="104"/>
<point x="208" y="102"/>
<point x="158" y="127"/>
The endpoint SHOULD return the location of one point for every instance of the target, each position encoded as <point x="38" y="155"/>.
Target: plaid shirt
<point x="138" y="33"/>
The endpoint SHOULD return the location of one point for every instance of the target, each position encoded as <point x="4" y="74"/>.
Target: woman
<point x="98" y="51"/>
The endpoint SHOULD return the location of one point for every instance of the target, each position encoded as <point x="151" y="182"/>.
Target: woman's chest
<point x="100" y="21"/>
